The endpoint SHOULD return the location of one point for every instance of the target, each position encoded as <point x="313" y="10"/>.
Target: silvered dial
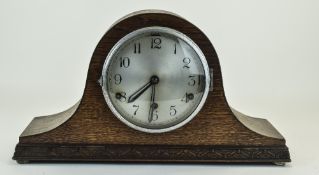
<point x="155" y="79"/>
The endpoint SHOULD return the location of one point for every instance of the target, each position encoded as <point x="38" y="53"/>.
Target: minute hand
<point x="153" y="104"/>
<point x="139" y="92"/>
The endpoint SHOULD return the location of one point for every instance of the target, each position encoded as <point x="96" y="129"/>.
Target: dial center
<point x="154" y="79"/>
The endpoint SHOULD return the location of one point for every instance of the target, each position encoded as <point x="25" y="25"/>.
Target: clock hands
<point x="139" y="92"/>
<point x="154" y="80"/>
<point x="153" y="105"/>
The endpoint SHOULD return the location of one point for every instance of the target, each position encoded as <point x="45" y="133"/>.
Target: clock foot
<point x="279" y="163"/>
<point x="23" y="161"/>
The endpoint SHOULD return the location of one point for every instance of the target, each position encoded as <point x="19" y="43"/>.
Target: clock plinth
<point x="89" y="131"/>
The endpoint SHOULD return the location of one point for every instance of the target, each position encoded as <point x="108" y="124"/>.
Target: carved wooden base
<point x="149" y="153"/>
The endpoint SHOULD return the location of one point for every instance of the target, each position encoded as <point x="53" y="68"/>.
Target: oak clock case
<point x="153" y="93"/>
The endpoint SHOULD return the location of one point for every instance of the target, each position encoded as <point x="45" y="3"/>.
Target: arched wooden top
<point x="215" y="124"/>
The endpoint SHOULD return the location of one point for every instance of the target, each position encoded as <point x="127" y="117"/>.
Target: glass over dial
<point x="155" y="79"/>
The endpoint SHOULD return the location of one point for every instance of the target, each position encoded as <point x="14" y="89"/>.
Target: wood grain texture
<point x="149" y="153"/>
<point x="94" y="124"/>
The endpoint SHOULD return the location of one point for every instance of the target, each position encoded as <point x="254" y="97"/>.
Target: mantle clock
<point x="154" y="93"/>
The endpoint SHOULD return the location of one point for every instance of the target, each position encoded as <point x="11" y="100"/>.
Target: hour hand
<point x="139" y="92"/>
<point x="154" y="80"/>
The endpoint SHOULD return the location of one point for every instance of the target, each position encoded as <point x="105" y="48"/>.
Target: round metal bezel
<point x="162" y="30"/>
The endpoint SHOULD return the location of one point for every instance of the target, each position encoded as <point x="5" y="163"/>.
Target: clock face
<point x="155" y="79"/>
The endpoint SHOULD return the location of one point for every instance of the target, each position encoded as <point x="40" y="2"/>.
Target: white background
<point x="268" y="50"/>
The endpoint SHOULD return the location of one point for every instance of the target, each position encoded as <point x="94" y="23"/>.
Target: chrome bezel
<point x="162" y="30"/>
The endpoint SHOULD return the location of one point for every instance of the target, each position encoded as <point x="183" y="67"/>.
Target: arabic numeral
<point x="187" y="97"/>
<point x="172" y="111"/>
<point x="137" y="107"/>
<point x="121" y="96"/>
<point x="175" y="48"/>
<point x="124" y="62"/>
<point x="117" y="79"/>
<point x="186" y="62"/>
<point x="137" y="48"/>
<point x="156" y="43"/>
<point x="155" y="115"/>
<point x="192" y="80"/>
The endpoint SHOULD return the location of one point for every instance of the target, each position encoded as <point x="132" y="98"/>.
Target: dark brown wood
<point x="153" y="153"/>
<point x="93" y="133"/>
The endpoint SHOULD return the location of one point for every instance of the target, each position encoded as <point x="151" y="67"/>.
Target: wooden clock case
<point x="89" y="131"/>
